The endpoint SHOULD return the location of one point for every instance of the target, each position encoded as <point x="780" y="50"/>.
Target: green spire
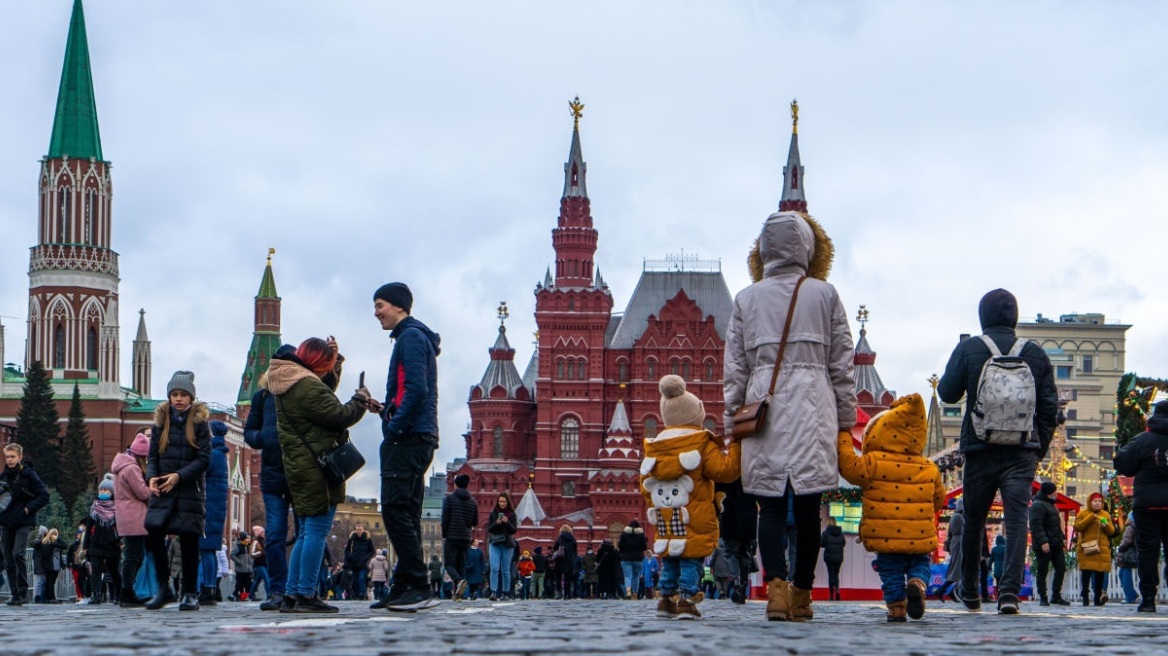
<point x="268" y="283"/>
<point x="75" y="130"/>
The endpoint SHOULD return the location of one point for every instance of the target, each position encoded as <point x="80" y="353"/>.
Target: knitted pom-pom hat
<point x="679" y="407"/>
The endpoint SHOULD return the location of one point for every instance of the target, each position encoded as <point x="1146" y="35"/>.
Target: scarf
<point x="102" y="511"/>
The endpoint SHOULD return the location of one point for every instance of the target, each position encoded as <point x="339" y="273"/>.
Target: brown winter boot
<point x="778" y="607"/>
<point x="800" y="605"/>
<point x="687" y="608"/>
<point x="916" y="599"/>
<point x="667" y="606"/>
<point x="897" y="610"/>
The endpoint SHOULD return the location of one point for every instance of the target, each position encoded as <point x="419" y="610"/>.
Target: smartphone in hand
<point x="361" y="380"/>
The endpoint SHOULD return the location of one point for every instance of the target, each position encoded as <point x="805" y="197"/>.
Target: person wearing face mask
<point x="100" y="542"/>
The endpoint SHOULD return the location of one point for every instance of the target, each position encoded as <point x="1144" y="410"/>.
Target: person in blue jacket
<point x="212" y="538"/>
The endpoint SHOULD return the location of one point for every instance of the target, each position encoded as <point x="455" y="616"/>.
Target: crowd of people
<point x="718" y="505"/>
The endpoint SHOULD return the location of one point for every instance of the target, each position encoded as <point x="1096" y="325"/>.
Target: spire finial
<point x="795" y="116"/>
<point x="577" y="109"/>
<point x="933" y="382"/>
<point x="862" y="317"/>
<point x="502" y="312"/>
<point x="271" y="252"/>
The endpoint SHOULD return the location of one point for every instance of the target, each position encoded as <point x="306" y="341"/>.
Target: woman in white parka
<point x="793" y="459"/>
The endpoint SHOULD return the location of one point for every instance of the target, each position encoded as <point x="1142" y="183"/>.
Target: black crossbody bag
<point x="339" y="463"/>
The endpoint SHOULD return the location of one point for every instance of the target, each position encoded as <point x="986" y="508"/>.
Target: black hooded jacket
<point x="833" y="542"/>
<point x="460" y="515"/>
<point x="1046" y="525"/>
<point x="1146" y="458"/>
<point x="28" y="493"/>
<point x="998" y="312"/>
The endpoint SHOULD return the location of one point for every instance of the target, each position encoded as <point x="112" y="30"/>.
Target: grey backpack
<point x="1006" y="398"/>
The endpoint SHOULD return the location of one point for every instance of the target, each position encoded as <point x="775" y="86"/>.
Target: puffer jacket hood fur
<point x="786" y="242"/>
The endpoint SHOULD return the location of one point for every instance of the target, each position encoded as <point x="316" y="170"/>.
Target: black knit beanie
<point x="396" y="294"/>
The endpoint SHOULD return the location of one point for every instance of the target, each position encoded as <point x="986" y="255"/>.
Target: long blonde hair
<point x="50" y="536"/>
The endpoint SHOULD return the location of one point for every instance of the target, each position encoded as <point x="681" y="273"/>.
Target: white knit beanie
<point x="679" y="407"/>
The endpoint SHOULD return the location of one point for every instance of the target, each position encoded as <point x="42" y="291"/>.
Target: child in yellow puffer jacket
<point x="681" y="465"/>
<point x="902" y="493"/>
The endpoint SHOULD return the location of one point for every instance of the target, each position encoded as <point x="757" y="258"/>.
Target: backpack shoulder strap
<point x="994" y="351"/>
<point x="1019" y="344"/>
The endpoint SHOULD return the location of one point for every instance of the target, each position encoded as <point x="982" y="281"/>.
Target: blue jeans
<point x="260" y="573"/>
<point x="359" y="584"/>
<point x="986" y="472"/>
<point x="209" y="566"/>
<point x="304" y="564"/>
<point x="896" y="569"/>
<point x="632" y="570"/>
<point x="1127" y="579"/>
<point x="680" y="574"/>
<point x="501" y="568"/>
<point x="276" y="534"/>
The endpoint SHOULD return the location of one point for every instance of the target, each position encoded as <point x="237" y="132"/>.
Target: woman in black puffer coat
<point x="180" y="453"/>
<point x="833" y="542"/>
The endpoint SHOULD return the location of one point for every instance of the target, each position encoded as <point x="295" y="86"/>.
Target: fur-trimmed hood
<point x="199" y="413"/>
<point x="283" y="374"/>
<point x="791" y="240"/>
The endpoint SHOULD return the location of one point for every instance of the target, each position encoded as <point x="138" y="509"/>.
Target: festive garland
<point x="844" y="495"/>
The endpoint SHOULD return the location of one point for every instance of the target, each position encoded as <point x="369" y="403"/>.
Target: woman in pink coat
<point x="130" y="497"/>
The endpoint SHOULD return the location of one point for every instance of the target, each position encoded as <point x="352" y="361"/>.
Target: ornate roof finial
<point x="577" y="109"/>
<point x="795" y="116"/>
<point x="862" y="317"/>
<point x="502" y="312"/>
<point x="271" y="252"/>
<point x="933" y="382"/>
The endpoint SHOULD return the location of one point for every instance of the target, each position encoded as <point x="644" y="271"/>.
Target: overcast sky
<point x="949" y="149"/>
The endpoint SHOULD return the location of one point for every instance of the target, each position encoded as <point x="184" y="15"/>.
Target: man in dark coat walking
<point x="989" y="467"/>
<point x="26" y="494"/>
<point x="460" y="516"/>
<point x="1046" y="535"/>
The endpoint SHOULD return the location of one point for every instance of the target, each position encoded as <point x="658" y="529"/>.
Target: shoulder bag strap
<point x="280" y="407"/>
<point x="783" y="341"/>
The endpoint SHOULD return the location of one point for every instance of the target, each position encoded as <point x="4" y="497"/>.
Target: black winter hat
<point x="462" y="480"/>
<point x="397" y="294"/>
<point x="1047" y="489"/>
<point x="998" y="308"/>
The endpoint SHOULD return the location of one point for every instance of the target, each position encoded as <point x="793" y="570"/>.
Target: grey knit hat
<point x="182" y="380"/>
<point x="107" y="483"/>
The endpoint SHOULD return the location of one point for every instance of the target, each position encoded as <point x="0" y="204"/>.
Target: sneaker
<point x="1147" y="605"/>
<point x="315" y="605"/>
<point x="687" y="608"/>
<point x="273" y="602"/>
<point x="290" y="601"/>
<point x="460" y="590"/>
<point x="412" y="599"/>
<point x="667" y="607"/>
<point x="1007" y="604"/>
<point x="972" y="605"/>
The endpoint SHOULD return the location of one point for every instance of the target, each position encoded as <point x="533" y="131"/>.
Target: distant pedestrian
<point x="217" y="493"/>
<point x="102" y="548"/>
<point x="833" y="543"/>
<point x="242" y="564"/>
<point x="1146" y="458"/>
<point x="564" y="554"/>
<point x="1093" y="530"/>
<point x="791" y="461"/>
<point x="999" y="461"/>
<point x="1049" y="542"/>
<point x="998" y="559"/>
<point x="953" y="547"/>
<point x="359" y="550"/>
<point x="738" y="529"/>
<point x="525" y="567"/>
<point x="501" y="527"/>
<point x="632" y="545"/>
<point x="1128" y="559"/>
<point x="436" y="572"/>
<point x="50" y="551"/>
<point x="180" y="452"/>
<point x="379" y="574"/>
<point x="902" y="491"/>
<point x="28" y="495"/>
<point x="259" y="563"/>
<point x="460" y="516"/>
<point x="475" y="566"/>
<point x="131" y="496"/>
<point x="539" y="572"/>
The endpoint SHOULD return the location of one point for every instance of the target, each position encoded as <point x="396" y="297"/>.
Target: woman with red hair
<point x="311" y="421"/>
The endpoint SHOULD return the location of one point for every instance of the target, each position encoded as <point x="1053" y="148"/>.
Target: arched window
<point x="569" y="488"/>
<point x="622" y="371"/>
<point x="651" y="365"/>
<point x="582" y="369"/>
<point x="63" y="214"/>
<point x="709" y="425"/>
<point x="570" y="438"/>
<point x="571" y="304"/>
<point x="497" y="446"/>
<point x="559" y="369"/>
<point x="709" y="370"/>
<point x="685" y="370"/>
<point x="674" y="367"/>
<point x="650" y="428"/>
<point x="90" y="214"/>
<point x="91" y="349"/>
<point x="59" y="347"/>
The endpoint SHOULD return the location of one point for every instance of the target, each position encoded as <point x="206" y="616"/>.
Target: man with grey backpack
<point x="1011" y="405"/>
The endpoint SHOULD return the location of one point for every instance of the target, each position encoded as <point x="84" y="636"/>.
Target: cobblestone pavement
<point x="577" y="627"/>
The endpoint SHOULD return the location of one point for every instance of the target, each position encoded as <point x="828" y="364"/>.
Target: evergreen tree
<point x="56" y="515"/>
<point x="36" y="424"/>
<point x="76" y="470"/>
<point x="1131" y="409"/>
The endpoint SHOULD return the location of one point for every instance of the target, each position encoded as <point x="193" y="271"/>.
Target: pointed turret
<point x="266" y="338"/>
<point x="871" y="394"/>
<point x="793" y="199"/>
<point x="501" y="372"/>
<point x="574" y="238"/>
<point x="529" y="508"/>
<point x="75" y="132"/>
<point x="141" y="358"/>
<point x="619" y="450"/>
<point x="936" y="439"/>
